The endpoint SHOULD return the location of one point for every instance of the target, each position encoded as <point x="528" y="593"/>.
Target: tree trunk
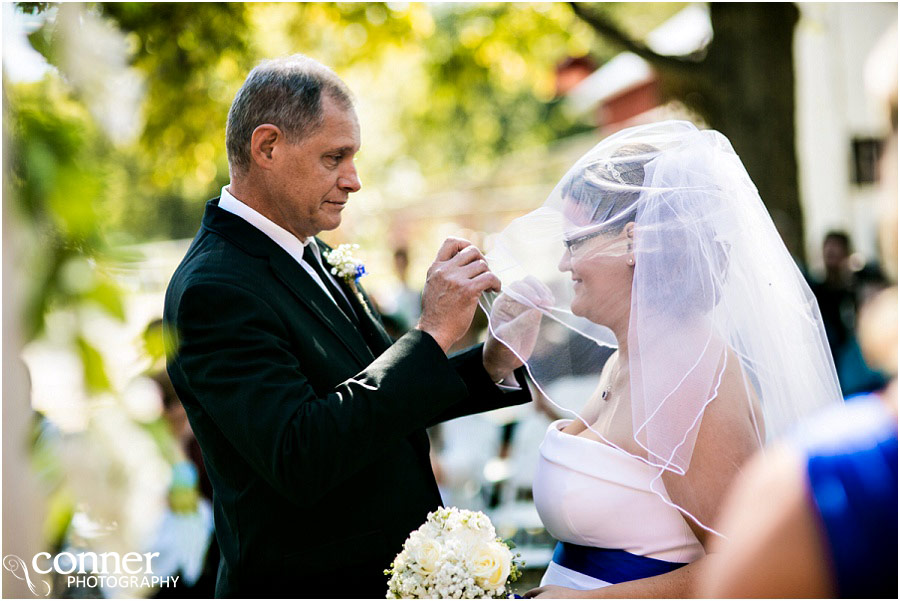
<point x="747" y="85"/>
<point x="743" y="87"/>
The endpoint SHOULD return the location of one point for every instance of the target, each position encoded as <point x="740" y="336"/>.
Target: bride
<point x="654" y="270"/>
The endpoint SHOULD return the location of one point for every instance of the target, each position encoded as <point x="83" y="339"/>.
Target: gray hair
<point x="286" y="92"/>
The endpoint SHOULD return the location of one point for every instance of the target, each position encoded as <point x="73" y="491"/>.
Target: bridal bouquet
<point x="455" y="554"/>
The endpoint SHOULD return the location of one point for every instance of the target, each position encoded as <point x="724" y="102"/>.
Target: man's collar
<point x="282" y="237"/>
<point x="239" y="232"/>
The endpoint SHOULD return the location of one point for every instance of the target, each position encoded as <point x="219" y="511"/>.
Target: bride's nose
<point x="565" y="261"/>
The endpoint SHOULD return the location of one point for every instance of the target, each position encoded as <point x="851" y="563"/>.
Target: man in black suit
<point x="312" y="424"/>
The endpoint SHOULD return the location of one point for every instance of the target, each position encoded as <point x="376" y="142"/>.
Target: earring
<point x="631" y="261"/>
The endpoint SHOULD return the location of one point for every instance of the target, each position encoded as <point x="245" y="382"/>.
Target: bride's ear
<point x="629" y="237"/>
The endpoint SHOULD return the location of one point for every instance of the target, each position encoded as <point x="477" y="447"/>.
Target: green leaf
<point x="94" y="369"/>
<point x="108" y="296"/>
<point x="60" y="508"/>
<point x="31" y="8"/>
<point x="153" y="340"/>
<point x="42" y="40"/>
<point x="170" y="341"/>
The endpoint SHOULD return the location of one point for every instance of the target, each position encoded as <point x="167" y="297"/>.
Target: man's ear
<point x="262" y="144"/>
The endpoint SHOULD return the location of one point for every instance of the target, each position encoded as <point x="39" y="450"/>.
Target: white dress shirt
<point x="280" y="236"/>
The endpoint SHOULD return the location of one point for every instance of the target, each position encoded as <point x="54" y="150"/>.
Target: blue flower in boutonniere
<point x="343" y="265"/>
<point x="349" y="269"/>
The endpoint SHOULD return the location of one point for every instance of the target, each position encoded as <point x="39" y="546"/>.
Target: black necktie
<point x="310" y="257"/>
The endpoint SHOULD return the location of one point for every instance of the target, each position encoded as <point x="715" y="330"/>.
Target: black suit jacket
<point x="312" y="429"/>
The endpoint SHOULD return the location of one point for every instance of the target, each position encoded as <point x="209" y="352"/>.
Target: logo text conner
<point x="104" y="563"/>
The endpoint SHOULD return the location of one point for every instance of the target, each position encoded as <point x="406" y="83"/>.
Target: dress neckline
<point x="558" y="425"/>
<point x="580" y="454"/>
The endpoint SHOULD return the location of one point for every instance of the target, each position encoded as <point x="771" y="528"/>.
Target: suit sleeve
<point x="483" y="393"/>
<point x="234" y="357"/>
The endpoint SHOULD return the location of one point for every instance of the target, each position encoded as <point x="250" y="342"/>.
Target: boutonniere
<point x="343" y="265"/>
<point x="348" y="268"/>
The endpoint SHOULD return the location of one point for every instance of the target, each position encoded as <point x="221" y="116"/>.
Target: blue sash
<point x="610" y="565"/>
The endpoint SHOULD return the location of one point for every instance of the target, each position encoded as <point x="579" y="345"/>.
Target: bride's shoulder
<point x="735" y="402"/>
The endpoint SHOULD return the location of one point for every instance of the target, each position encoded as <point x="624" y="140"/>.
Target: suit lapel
<point x="291" y="274"/>
<point x="381" y="339"/>
<point x="309" y="293"/>
<point x="377" y="339"/>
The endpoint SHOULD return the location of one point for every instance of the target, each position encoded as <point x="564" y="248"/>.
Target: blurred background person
<point x="399" y="304"/>
<point x="835" y="292"/>
<point x="185" y="537"/>
<point x="840" y="292"/>
<point x="817" y="515"/>
<point x="406" y="305"/>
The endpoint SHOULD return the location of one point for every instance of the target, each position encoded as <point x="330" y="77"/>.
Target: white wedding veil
<point x="656" y="243"/>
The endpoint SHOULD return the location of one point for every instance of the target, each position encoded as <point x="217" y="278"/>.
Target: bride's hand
<point x="515" y="320"/>
<point x="554" y="592"/>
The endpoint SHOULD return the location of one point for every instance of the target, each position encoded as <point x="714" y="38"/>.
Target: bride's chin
<point x="576" y="309"/>
<point x="587" y="312"/>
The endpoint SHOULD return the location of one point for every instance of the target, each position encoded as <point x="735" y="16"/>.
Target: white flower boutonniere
<point x="343" y="265"/>
<point x="349" y="269"/>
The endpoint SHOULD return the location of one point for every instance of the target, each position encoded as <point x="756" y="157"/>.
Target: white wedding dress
<point x="598" y="500"/>
<point x="655" y="243"/>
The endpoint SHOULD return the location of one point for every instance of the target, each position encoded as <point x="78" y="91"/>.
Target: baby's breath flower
<point x="455" y="554"/>
<point x="343" y="265"/>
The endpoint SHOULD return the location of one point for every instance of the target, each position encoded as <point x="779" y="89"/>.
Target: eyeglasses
<point x="575" y="242"/>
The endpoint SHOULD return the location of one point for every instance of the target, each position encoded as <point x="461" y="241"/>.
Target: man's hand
<point x="454" y="282"/>
<point x="515" y="322"/>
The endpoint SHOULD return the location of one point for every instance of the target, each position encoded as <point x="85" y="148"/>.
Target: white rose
<point x="490" y="564"/>
<point x="429" y="530"/>
<point x="425" y="556"/>
<point x="464" y="541"/>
